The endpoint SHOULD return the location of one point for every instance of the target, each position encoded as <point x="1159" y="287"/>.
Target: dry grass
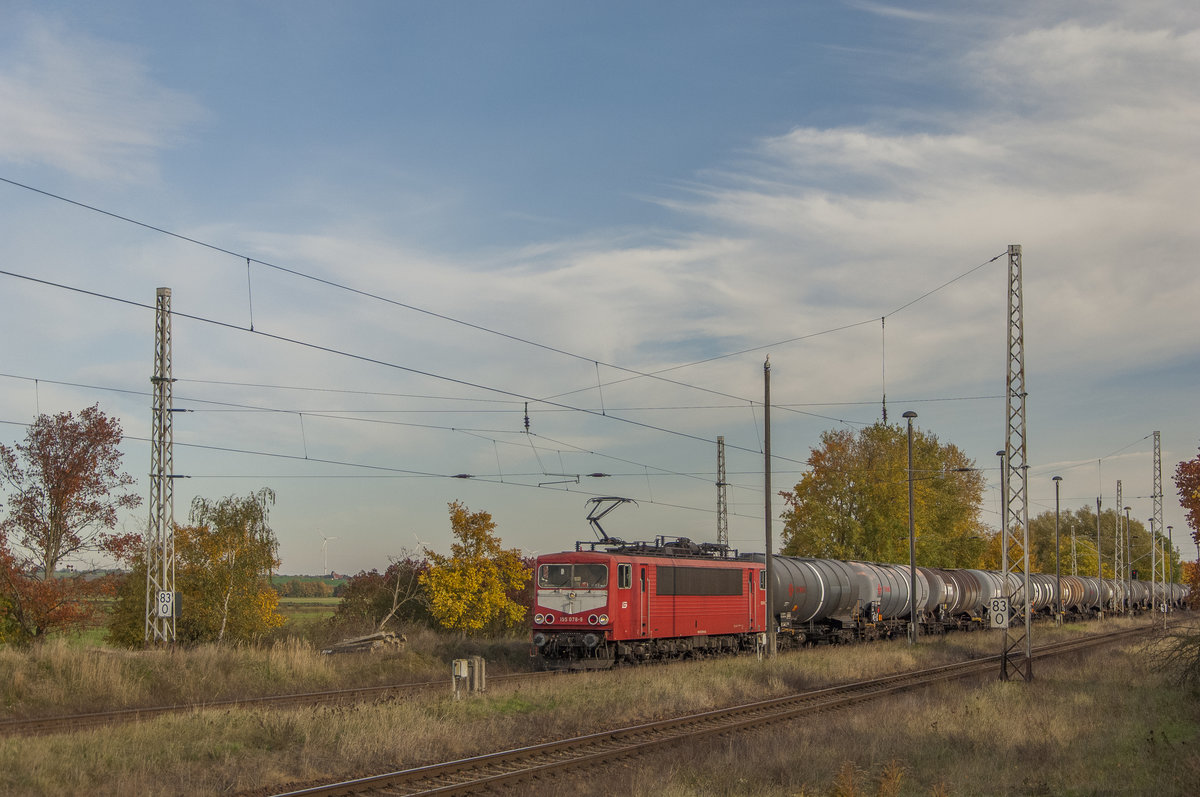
<point x="1043" y="737"/>
<point x="59" y="677"/>
<point x="1101" y="723"/>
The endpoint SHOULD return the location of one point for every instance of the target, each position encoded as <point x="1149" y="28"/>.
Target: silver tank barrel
<point x="810" y="589"/>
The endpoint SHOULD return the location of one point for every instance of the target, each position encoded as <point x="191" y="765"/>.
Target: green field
<point x="308" y="610"/>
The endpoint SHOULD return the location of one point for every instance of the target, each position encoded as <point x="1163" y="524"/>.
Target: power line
<point x="382" y="394"/>
<point x="635" y="374"/>
<point x="344" y="287"/>
<point x="480" y="433"/>
<point x="807" y="336"/>
<point x="365" y="359"/>
<point x="395" y="472"/>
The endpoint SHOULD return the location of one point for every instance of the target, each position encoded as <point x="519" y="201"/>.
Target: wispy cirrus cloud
<point x="87" y="107"/>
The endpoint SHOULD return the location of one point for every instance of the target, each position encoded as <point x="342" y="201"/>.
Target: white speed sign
<point x="166" y="603"/>
<point x="998" y="609"/>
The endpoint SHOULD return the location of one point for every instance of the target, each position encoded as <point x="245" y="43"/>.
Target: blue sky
<point x="629" y="186"/>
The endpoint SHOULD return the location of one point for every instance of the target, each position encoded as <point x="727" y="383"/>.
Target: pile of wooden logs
<point x="378" y="642"/>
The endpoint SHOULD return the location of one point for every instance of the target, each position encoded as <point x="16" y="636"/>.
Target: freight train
<point x="612" y="602"/>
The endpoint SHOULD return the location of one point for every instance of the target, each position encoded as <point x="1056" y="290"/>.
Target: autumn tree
<point x="853" y="502"/>
<point x="223" y="565"/>
<point x="1179" y="652"/>
<point x="32" y="607"/>
<point x="1191" y="579"/>
<point x="65" y="487"/>
<point x="1082" y="522"/>
<point x="471" y="589"/>
<point x="1187" y="482"/>
<point x="371" y="600"/>
<point x="295" y="588"/>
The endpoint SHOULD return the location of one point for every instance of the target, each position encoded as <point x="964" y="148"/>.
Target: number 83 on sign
<point x="998" y="612"/>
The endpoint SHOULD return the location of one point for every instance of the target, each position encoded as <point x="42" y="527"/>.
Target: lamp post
<point x="1171" y="554"/>
<point x="1128" y="563"/>
<point x="1099" y="561"/>
<point x="912" y="539"/>
<point x="1153" y="569"/>
<point x="1058" y="612"/>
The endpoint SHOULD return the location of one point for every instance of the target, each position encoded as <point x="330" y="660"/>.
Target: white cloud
<point x="1077" y="141"/>
<point x="1084" y="153"/>
<point x="894" y="11"/>
<point x="87" y="107"/>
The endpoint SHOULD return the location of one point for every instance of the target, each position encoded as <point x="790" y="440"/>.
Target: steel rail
<point x="478" y="773"/>
<point x="64" y="723"/>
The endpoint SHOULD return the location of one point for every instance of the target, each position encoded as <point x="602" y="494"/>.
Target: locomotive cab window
<point x="572" y="576"/>
<point x="624" y="576"/>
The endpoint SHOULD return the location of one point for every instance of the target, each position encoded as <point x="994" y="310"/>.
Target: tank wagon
<point x="825" y="600"/>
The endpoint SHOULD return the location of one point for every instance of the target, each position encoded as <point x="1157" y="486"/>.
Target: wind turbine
<point x="325" y="552"/>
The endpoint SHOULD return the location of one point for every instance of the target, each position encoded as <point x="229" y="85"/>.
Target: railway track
<point x="480" y="773"/>
<point x="76" y="722"/>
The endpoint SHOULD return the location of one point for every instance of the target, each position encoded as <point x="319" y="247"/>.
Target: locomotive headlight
<point x="539" y="618"/>
<point x="604" y="619"/>
<point x="593" y="619"/>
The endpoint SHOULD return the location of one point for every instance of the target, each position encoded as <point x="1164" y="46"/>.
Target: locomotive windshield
<point x="572" y="576"/>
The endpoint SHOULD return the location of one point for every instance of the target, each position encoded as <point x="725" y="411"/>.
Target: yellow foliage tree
<point x="474" y="587"/>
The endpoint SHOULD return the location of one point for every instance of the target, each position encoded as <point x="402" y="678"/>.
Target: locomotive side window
<point x="572" y="576"/>
<point x="762" y="579"/>
<point x="624" y="576"/>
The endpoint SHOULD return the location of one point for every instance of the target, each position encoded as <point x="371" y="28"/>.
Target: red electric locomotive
<point x="612" y="601"/>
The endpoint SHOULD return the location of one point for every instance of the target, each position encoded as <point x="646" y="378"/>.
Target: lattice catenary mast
<point x="1158" y="565"/>
<point x="722" y="505"/>
<point x="160" y="535"/>
<point x="1016" y="655"/>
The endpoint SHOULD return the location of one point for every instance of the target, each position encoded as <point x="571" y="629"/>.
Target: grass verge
<point x="1098" y="723"/>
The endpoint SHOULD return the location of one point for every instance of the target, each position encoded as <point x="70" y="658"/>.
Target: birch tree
<point x="223" y="564"/>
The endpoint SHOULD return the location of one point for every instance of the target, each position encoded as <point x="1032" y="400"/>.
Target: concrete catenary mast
<point x="160" y="535"/>
<point x="770" y="547"/>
